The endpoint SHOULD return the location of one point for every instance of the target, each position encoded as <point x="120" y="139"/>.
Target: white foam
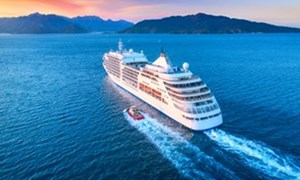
<point x="257" y="155"/>
<point x="188" y="159"/>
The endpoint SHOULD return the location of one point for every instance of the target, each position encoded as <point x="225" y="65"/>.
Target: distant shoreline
<point x="116" y="33"/>
<point x="190" y="24"/>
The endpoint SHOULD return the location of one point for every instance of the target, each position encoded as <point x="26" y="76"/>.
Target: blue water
<point x="62" y="117"/>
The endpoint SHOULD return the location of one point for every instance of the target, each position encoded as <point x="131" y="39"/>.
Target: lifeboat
<point x="135" y="113"/>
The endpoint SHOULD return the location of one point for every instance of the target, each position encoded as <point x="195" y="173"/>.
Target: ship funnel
<point x="185" y="66"/>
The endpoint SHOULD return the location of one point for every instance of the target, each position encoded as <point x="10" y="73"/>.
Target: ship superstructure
<point x="175" y="91"/>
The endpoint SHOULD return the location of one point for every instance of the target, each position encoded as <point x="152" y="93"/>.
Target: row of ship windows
<point x="145" y="83"/>
<point x="204" y="89"/>
<point x="130" y="71"/>
<point x="112" y="66"/>
<point x="192" y="98"/>
<point x="188" y="85"/>
<point x="155" y="83"/>
<point x="149" y="77"/>
<point x="198" y="110"/>
<point x="117" y="70"/>
<point x="134" y="84"/>
<point x="149" y="89"/>
<point x="162" y="90"/>
<point x="115" y="74"/>
<point x="113" y="60"/>
<point x="203" y="103"/>
<point x="203" y="118"/>
<point x="154" y="93"/>
<point x="135" y="64"/>
<point x="150" y="73"/>
<point x="183" y="78"/>
<point x="113" y="70"/>
<point x="130" y="79"/>
<point x="130" y="75"/>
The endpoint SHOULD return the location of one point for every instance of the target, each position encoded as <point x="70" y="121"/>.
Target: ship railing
<point x="193" y="92"/>
<point x="192" y="98"/>
<point x="185" y="86"/>
<point x="198" y="110"/>
<point x="185" y="79"/>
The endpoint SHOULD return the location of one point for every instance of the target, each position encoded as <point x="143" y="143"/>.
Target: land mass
<point x="39" y="23"/>
<point x="191" y="24"/>
<point x="204" y="24"/>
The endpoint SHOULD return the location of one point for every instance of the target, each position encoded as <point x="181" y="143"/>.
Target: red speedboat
<point x="135" y="113"/>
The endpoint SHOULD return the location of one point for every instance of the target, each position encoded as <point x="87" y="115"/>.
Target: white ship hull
<point x="169" y="109"/>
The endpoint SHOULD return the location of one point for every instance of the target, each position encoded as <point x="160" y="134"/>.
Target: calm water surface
<point x="61" y="116"/>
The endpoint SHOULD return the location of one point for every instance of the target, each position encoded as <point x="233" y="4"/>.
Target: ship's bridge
<point x="133" y="57"/>
<point x="164" y="68"/>
<point x="128" y="56"/>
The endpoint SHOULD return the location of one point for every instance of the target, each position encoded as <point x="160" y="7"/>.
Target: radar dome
<point x="185" y="66"/>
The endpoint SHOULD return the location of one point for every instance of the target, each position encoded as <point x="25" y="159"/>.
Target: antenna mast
<point x="120" y="45"/>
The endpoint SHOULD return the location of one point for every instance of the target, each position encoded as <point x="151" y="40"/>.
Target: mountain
<point x="203" y="23"/>
<point x="95" y="23"/>
<point x="38" y="23"/>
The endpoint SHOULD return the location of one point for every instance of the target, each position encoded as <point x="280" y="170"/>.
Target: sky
<point x="280" y="12"/>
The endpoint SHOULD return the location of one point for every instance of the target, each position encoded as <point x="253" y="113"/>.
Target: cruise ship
<point x="175" y="91"/>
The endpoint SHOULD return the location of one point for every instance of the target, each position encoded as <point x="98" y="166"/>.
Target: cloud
<point x="66" y="4"/>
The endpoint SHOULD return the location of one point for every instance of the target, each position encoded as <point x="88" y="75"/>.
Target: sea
<point x="61" y="117"/>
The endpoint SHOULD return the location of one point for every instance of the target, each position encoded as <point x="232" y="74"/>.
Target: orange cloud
<point x="13" y="7"/>
<point x="133" y="10"/>
<point x="61" y="4"/>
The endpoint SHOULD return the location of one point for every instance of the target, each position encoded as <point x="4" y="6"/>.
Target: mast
<point x="120" y="45"/>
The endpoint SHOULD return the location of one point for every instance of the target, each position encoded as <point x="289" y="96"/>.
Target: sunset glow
<point x="277" y="12"/>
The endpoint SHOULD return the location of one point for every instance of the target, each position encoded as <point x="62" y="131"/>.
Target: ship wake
<point x="257" y="155"/>
<point x="188" y="159"/>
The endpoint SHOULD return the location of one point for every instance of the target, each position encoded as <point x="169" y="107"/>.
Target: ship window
<point x="207" y="109"/>
<point x="204" y="118"/>
<point x="194" y="111"/>
<point x="189" y="118"/>
<point x="199" y="111"/>
<point x="217" y="114"/>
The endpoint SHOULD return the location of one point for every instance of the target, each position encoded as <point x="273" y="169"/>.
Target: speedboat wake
<point x="188" y="159"/>
<point x="257" y="155"/>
